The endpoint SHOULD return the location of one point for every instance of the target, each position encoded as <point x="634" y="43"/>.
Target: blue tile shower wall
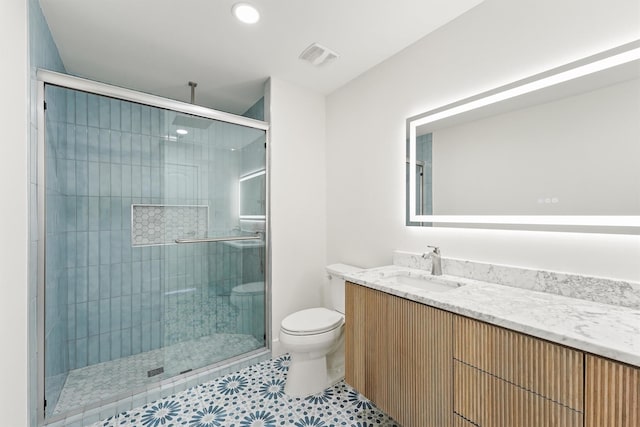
<point x="123" y="300"/>
<point x="43" y="53"/>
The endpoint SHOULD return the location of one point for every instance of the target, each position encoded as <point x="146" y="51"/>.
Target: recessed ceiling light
<point x="246" y="13"/>
<point x="182" y="131"/>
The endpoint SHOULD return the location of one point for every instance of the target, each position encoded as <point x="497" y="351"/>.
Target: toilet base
<point x="306" y="375"/>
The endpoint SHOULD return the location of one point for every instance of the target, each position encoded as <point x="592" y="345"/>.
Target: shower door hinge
<point x="45" y="104"/>
<point x="45" y="404"/>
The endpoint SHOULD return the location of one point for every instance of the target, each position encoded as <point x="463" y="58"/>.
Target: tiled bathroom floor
<point x="93" y="383"/>
<point x="254" y="397"/>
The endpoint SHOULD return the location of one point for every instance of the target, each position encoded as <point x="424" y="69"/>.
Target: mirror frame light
<point x="245" y="178"/>
<point x="602" y="61"/>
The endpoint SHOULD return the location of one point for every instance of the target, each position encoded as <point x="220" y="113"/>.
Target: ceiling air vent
<point x="318" y="55"/>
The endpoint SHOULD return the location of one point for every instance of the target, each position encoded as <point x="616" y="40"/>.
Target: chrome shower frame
<point x="46" y="77"/>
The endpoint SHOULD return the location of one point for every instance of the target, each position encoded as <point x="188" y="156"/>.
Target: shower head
<point x="192" y="121"/>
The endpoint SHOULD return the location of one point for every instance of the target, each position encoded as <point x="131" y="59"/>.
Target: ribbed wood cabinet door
<point x="504" y="378"/>
<point x="398" y="354"/>
<point x="612" y="397"/>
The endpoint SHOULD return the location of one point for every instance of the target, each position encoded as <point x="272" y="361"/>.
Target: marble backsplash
<point x="606" y="291"/>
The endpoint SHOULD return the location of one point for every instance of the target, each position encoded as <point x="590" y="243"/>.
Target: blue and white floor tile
<point x="254" y="397"/>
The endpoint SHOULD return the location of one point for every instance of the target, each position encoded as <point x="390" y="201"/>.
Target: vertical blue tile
<point x="82" y="285"/>
<point x="93" y="249"/>
<point x="115" y="210"/>
<point x="81" y="143"/>
<point x="105" y="247"/>
<point x="136" y="149"/>
<point x="71" y="351"/>
<point x="126" y="342"/>
<point x="93" y="283"/>
<point x="146" y="181"/>
<point x="116" y="180"/>
<point x="136" y="126"/>
<point x="136" y="309"/>
<point x="146" y="276"/>
<point x="136" y="277"/>
<point x="81" y="353"/>
<point x="105" y="113"/>
<point x="81" y="320"/>
<point x="105" y="284"/>
<point x="155" y="182"/>
<point x="145" y="308"/>
<point x="94" y="179"/>
<point x="70" y="213"/>
<point x="81" y="108"/>
<point x="116" y="246"/>
<point x="105" y="179"/>
<point x="125" y="316"/>
<point x="136" y="182"/>
<point x="145" y="150"/>
<point x="93" y="356"/>
<point x="70" y="142"/>
<point x="71" y="322"/>
<point x="155" y="121"/>
<point x="116" y="343"/>
<point x="146" y="337"/>
<point x="93" y="144"/>
<point x="136" y="340"/>
<point x="82" y="248"/>
<point x="93" y="318"/>
<point x="93" y="110"/>
<point x="126" y="244"/>
<point x="155" y="335"/>
<point x="70" y="178"/>
<point x="125" y="147"/>
<point x="71" y="249"/>
<point x="125" y="122"/>
<point x="105" y="145"/>
<point x="105" y="346"/>
<point x="116" y="151"/>
<point x="126" y="278"/>
<point x="115" y="314"/>
<point x="116" y="280"/>
<point x="82" y="213"/>
<point x="105" y="313"/>
<point x="115" y="114"/>
<point x="105" y="213"/>
<point x="71" y="107"/>
<point x="82" y="178"/>
<point x="126" y="181"/>
<point x="145" y="120"/>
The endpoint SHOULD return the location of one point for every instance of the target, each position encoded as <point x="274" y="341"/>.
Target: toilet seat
<point x="312" y="321"/>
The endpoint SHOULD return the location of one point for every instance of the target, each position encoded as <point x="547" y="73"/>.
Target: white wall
<point x="13" y="214"/>
<point x="298" y="199"/>
<point x="495" y="43"/>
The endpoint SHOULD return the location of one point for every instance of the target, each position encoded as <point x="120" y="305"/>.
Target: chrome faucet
<point x="436" y="260"/>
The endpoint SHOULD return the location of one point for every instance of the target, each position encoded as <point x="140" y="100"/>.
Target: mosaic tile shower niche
<point x="128" y="307"/>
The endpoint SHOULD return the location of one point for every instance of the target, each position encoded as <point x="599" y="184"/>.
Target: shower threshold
<point x="91" y="384"/>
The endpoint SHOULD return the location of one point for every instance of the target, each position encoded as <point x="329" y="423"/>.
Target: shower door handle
<point x="220" y="239"/>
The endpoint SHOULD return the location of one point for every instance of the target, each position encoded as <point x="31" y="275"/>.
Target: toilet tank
<point x="335" y="285"/>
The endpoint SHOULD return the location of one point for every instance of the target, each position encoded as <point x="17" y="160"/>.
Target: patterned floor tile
<point x="254" y="397"/>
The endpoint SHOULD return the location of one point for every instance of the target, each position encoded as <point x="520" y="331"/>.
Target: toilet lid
<point x="311" y="321"/>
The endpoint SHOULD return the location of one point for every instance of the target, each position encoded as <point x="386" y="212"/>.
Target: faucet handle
<point x="436" y="249"/>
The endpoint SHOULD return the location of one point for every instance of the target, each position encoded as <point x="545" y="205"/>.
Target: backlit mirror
<point x="252" y="191"/>
<point x="559" y="149"/>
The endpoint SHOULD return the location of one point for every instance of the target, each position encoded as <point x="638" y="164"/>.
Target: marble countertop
<point x="602" y="329"/>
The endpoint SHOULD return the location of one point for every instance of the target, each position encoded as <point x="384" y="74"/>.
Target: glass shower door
<point x="125" y="304"/>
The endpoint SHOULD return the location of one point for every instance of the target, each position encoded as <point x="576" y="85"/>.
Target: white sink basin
<point x="427" y="283"/>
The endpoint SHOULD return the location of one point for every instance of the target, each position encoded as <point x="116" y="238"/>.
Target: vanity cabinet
<point x="612" y="397"/>
<point x="428" y="367"/>
<point x="504" y="378"/>
<point x="398" y="354"/>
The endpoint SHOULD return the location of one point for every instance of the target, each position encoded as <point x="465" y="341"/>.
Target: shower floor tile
<point x="96" y="382"/>
<point x="254" y="396"/>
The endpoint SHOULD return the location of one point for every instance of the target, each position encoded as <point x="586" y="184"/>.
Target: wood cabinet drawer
<point x="550" y="370"/>
<point x="612" y="397"/>
<point x="482" y="399"/>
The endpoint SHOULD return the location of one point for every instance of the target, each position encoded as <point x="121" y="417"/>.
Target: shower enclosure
<point x="154" y="258"/>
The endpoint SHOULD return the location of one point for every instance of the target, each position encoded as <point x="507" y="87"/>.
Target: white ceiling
<point x="157" y="46"/>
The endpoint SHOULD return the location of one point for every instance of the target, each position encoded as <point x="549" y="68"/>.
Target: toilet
<point x="315" y="339"/>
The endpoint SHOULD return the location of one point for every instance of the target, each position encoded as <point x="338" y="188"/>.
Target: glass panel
<point x="125" y="305"/>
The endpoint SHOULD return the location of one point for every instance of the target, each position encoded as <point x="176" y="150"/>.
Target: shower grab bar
<point x="220" y="239"/>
